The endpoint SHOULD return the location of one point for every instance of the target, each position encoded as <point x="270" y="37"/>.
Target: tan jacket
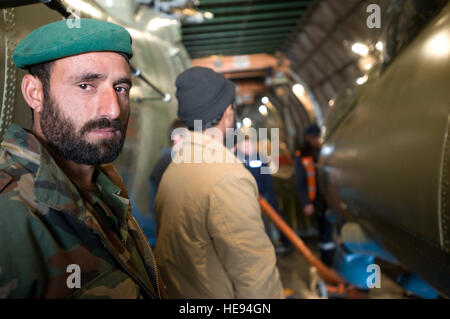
<point x="211" y="241"/>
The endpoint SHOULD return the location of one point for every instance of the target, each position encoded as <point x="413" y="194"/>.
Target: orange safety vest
<point x="308" y="163"/>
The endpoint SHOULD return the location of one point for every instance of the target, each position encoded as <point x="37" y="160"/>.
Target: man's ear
<point x="33" y="92"/>
<point x="229" y="113"/>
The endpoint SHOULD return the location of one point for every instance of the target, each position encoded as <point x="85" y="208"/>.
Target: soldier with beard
<point x="66" y="229"/>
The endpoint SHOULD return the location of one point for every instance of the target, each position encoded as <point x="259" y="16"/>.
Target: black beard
<point x="65" y="141"/>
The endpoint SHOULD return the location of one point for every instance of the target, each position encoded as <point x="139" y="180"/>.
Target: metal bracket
<point x="10" y="76"/>
<point x="166" y="97"/>
<point x="57" y="6"/>
<point x="15" y="3"/>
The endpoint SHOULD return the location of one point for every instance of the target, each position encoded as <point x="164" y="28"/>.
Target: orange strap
<point x="308" y="163"/>
<point x="329" y="275"/>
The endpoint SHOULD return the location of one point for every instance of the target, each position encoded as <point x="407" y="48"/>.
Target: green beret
<point x="58" y="40"/>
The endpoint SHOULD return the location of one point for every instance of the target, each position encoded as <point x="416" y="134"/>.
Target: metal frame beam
<point x="255" y="49"/>
<point x="222" y="2"/>
<point x="217" y="35"/>
<point x="337" y="24"/>
<point x="15" y="3"/>
<point x="245" y="39"/>
<point x="247" y="44"/>
<point x="252" y="16"/>
<point x="240" y="26"/>
<point x="230" y="53"/>
<point x="257" y="7"/>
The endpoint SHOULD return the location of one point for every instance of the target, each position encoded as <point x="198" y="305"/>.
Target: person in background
<point x="309" y="192"/>
<point x="254" y="161"/>
<point x="211" y="241"/>
<point x="160" y="167"/>
<point x="148" y="222"/>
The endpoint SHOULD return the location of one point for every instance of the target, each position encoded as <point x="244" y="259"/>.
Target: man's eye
<point x="120" y="89"/>
<point x="84" y="86"/>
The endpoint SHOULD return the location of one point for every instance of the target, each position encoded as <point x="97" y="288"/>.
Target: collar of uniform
<point x="111" y="192"/>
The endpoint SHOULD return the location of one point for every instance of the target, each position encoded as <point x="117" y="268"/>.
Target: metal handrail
<point x="166" y="97"/>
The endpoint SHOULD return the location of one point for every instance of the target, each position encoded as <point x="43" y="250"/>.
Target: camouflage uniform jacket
<point x="46" y="226"/>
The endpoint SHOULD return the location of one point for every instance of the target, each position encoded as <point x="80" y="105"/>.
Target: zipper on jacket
<point x="125" y="267"/>
<point x="155" y="265"/>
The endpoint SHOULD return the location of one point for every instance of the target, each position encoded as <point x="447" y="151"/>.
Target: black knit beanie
<point x="202" y="94"/>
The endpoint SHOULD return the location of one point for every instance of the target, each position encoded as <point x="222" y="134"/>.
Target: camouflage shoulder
<point x="13" y="167"/>
<point x="12" y="159"/>
<point x="16" y="188"/>
<point x="17" y="218"/>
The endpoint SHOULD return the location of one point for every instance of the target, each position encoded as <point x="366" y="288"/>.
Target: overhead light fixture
<point x="360" y="48"/>
<point x="265" y="100"/>
<point x="208" y="15"/>
<point x="247" y="122"/>
<point x="263" y="110"/>
<point x="367" y="66"/>
<point x="298" y="89"/>
<point x="361" y="80"/>
<point x="327" y="150"/>
<point x="379" y="46"/>
<point x="366" y="63"/>
<point x="439" y="45"/>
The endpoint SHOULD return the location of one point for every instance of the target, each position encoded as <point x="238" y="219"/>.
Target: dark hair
<point x="214" y="122"/>
<point x="312" y="130"/>
<point x="177" y="123"/>
<point x="42" y="71"/>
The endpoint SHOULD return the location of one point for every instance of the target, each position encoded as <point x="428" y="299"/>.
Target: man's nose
<point x="109" y="104"/>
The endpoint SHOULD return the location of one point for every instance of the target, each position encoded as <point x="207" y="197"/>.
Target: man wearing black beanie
<point x="211" y="241"/>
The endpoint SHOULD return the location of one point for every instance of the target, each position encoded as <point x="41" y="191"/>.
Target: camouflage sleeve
<point x="21" y="264"/>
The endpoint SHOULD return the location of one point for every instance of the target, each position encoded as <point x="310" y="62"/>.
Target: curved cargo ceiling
<point x="243" y="27"/>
